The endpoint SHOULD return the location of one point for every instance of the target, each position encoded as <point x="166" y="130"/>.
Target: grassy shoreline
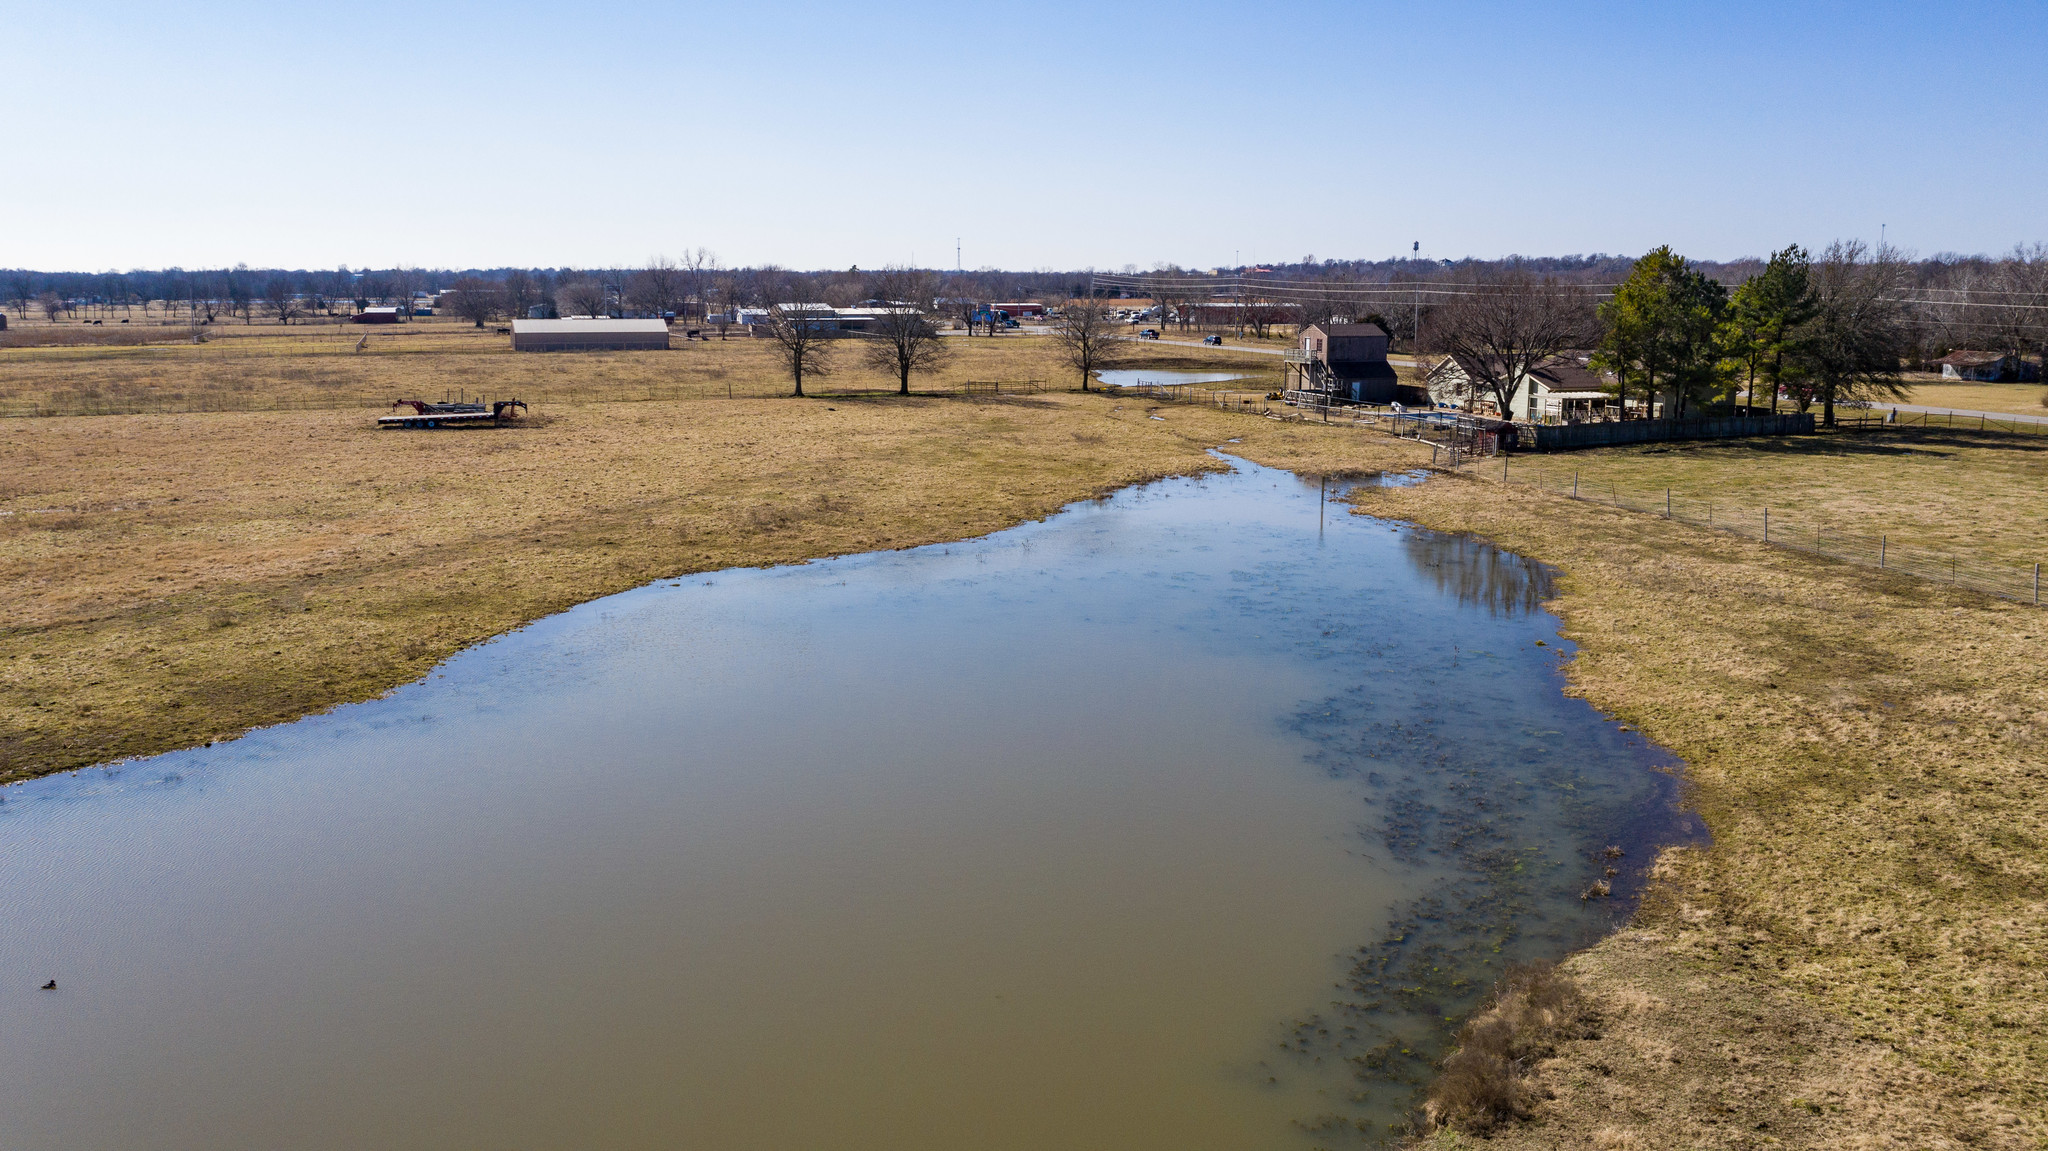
<point x="1854" y="961"/>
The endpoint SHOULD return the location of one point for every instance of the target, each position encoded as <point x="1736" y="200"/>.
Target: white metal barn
<point x="589" y="335"/>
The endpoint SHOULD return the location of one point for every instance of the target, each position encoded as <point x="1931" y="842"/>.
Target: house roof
<point x="1343" y="331"/>
<point x="1971" y="359"/>
<point x="1568" y="376"/>
<point x="601" y="324"/>
<point x="1564" y="375"/>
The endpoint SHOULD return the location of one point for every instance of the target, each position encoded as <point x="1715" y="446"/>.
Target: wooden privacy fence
<point x="1955" y="566"/>
<point x="1568" y="437"/>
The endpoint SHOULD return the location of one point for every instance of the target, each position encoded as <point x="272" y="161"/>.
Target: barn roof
<point x="609" y="327"/>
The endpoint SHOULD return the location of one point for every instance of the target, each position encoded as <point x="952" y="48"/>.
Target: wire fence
<point x="1956" y="567"/>
<point x="1229" y="400"/>
<point x="1961" y="421"/>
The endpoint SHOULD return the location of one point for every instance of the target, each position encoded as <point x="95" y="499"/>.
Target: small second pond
<point x="1187" y="819"/>
<point x="1126" y="377"/>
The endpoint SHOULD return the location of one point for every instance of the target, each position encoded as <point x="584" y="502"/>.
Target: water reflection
<point x="1479" y="574"/>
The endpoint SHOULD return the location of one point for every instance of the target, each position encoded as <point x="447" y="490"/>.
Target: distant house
<point x="1343" y="361"/>
<point x="1560" y="391"/>
<point x="1988" y="367"/>
<point x="585" y="334"/>
<point x="1020" y="310"/>
<point x="377" y="316"/>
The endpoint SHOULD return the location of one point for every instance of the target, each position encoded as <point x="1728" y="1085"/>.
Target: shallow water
<point x="1122" y="377"/>
<point x="1170" y="822"/>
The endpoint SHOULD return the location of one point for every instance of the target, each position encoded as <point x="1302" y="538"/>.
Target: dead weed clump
<point x="1485" y="1082"/>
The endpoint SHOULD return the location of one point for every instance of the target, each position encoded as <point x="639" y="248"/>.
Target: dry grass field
<point x="2019" y="399"/>
<point x="277" y="368"/>
<point x="1936" y="489"/>
<point x="1854" y="962"/>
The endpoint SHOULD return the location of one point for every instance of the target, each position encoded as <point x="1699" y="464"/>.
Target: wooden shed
<point x="589" y="335"/>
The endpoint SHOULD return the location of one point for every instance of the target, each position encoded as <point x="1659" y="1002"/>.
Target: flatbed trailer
<point x="426" y="415"/>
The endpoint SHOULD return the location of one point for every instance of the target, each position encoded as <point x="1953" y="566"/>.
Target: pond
<point x="1127" y="377"/>
<point x="1182" y="819"/>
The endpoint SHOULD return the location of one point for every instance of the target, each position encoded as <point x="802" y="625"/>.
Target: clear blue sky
<point x="1042" y="134"/>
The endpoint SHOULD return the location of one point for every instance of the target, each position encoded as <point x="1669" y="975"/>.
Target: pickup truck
<point x="1149" y="334"/>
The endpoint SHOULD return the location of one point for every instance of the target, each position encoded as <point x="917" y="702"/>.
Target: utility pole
<point x="1415" y="341"/>
<point x="956" y="254"/>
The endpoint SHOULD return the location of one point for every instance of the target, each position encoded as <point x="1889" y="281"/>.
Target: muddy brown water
<point x="1186" y="819"/>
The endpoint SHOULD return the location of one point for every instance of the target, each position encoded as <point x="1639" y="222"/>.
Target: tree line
<point x="1802" y="329"/>
<point x="695" y="287"/>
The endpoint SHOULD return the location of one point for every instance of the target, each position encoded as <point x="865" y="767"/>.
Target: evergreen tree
<point x="1662" y="331"/>
<point x="1766" y="316"/>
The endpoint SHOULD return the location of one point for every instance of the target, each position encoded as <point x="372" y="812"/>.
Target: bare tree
<point x="239" y="295"/>
<point x="1511" y="324"/>
<point x="406" y="282"/>
<point x="803" y="341"/>
<point x="520" y="292"/>
<point x="20" y="291"/>
<point x="281" y="296"/>
<point x="52" y="305"/>
<point x="584" y="297"/>
<point x="1086" y="337"/>
<point x="2008" y="308"/>
<point x="476" y="300"/>
<point x="727" y="287"/>
<point x="658" y="287"/>
<point x="1167" y="287"/>
<point x="699" y="268"/>
<point x="966" y="299"/>
<point x="1850" y="349"/>
<point x="904" y="339"/>
<point x="1259" y="309"/>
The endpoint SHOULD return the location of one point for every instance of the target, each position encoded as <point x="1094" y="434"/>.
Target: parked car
<point x="1214" y="341"/>
<point x="1149" y="334"/>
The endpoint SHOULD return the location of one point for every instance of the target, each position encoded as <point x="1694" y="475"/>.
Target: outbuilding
<point x="377" y="316"/>
<point x="1344" y="362"/>
<point x="1988" y="367"/>
<point x="589" y="335"/>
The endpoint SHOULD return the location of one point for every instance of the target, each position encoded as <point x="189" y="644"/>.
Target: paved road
<point x="1963" y="413"/>
<point x="1397" y="361"/>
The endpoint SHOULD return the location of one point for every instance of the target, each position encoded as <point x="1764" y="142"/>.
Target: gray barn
<point x="1343" y="361"/>
<point x="587" y="335"/>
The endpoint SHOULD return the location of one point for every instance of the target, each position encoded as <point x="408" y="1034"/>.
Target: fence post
<point x="1503" y="469"/>
<point x="1881" y="542"/>
<point x="1667" y="503"/>
<point x="1767" y="525"/>
<point x="2037" y="585"/>
<point x="1575" y="483"/>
